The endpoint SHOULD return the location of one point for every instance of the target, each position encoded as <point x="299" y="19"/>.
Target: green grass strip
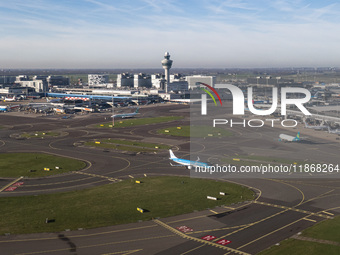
<point x="33" y="164"/>
<point x="298" y="247"/>
<point x="115" y="204"/>
<point x="138" y="121"/>
<point x="325" y="230"/>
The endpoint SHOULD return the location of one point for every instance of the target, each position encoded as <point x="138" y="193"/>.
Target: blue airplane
<point x="186" y="162"/>
<point x="126" y="115"/>
<point x="3" y="108"/>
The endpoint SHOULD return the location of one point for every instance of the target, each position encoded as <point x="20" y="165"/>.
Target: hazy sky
<point x="200" y="33"/>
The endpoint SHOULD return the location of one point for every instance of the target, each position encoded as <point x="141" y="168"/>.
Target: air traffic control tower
<point x="167" y="63"/>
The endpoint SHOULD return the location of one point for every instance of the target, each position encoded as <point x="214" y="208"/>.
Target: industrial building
<point x="269" y="81"/>
<point x="41" y="83"/>
<point x="59" y="80"/>
<point x="38" y="85"/>
<point x="6" y="80"/>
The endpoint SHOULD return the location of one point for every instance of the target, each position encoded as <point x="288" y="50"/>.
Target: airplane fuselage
<point x="289" y="138"/>
<point x="186" y="162"/>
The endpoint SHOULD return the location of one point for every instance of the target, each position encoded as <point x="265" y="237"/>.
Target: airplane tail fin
<point x="137" y="110"/>
<point x="298" y="136"/>
<point x="172" y="155"/>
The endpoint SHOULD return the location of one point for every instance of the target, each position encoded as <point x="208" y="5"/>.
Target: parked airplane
<point x="59" y="110"/>
<point x="55" y="100"/>
<point x="126" y="115"/>
<point x="9" y="99"/>
<point x="3" y="108"/>
<point x="12" y="107"/>
<point x="289" y="138"/>
<point x="186" y="162"/>
<point x="321" y="127"/>
<point x="334" y="131"/>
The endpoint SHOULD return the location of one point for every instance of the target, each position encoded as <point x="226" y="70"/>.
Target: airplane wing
<point x="175" y="165"/>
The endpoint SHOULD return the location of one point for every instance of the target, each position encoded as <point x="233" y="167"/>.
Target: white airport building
<point x="98" y="79"/>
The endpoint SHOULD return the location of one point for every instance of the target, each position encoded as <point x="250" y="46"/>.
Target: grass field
<point x="33" y="164"/>
<point x="127" y="145"/>
<point x="325" y="230"/>
<point x="115" y="204"/>
<point x="298" y="247"/>
<point x="195" y="131"/>
<point x="138" y="121"/>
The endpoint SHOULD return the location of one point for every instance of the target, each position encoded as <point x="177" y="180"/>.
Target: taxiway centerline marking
<point x="294" y="209"/>
<point x="328" y="213"/>
<point x="79" y="236"/>
<point x="270" y="233"/>
<point x="111" y="179"/>
<point x="123" y="252"/>
<point x="198" y="247"/>
<point x="309" y="219"/>
<point x="219" y="229"/>
<point x="95" y="245"/>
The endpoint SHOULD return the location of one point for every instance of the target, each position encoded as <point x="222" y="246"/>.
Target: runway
<point x="282" y="207"/>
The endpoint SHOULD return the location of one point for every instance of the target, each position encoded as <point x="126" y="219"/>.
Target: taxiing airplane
<point x="321" y="127"/>
<point x="289" y="138"/>
<point x="333" y="131"/>
<point x="186" y="162"/>
<point x="126" y="115"/>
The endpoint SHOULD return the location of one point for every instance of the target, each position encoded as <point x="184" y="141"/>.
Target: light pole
<point x="113" y="116"/>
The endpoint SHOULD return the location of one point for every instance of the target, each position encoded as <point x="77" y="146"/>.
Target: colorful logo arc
<point x="209" y="93"/>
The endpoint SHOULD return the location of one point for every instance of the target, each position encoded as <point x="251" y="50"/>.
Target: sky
<point x="198" y="34"/>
